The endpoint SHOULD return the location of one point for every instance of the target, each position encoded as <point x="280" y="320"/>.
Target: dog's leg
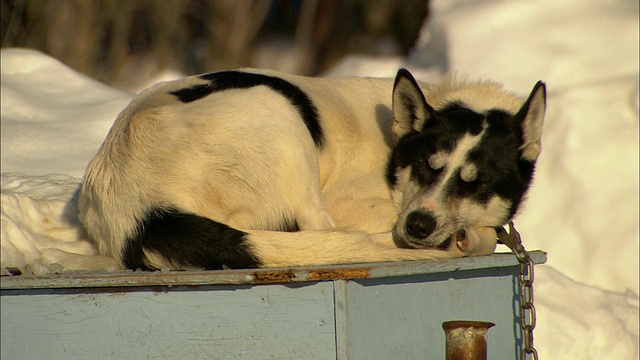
<point x="314" y="215"/>
<point x="306" y="248"/>
<point x="311" y="212"/>
<point x="471" y="242"/>
<point x="477" y="241"/>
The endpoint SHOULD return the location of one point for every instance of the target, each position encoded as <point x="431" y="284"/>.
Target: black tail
<point x="188" y="240"/>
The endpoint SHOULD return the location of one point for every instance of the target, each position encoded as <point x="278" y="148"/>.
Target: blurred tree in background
<point x="122" y="42"/>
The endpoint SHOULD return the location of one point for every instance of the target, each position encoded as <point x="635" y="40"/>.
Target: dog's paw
<point x="475" y="241"/>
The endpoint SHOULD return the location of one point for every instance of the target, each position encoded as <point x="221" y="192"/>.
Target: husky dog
<point x="252" y="168"/>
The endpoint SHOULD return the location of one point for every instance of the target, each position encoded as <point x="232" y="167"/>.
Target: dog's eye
<point x="437" y="161"/>
<point x="469" y="173"/>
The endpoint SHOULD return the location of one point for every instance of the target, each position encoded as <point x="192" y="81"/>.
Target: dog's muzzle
<point x="420" y="224"/>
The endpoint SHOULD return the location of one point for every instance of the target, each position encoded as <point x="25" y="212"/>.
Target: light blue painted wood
<point x="361" y="311"/>
<point x="341" y="305"/>
<point x="243" y="322"/>
<point x="401" y="318"/>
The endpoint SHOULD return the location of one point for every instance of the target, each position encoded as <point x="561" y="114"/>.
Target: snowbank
<point x="583" y="208"/>
<point x="53" y="118"/>
<point x="53" y="121"/>
<point x="576" y="321"/>
<point x="41" y="233"/>
<point x="584" y="202"/>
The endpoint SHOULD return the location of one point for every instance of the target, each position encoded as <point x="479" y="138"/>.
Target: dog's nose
<point x="420" y="224"/>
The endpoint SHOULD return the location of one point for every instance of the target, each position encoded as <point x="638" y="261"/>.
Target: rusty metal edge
<point x="261" y="276"/>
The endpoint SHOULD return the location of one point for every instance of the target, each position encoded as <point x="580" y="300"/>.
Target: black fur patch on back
<point x="193" y="93"/>
<point x="188" y="240"/>
<point x="226" y="80"/>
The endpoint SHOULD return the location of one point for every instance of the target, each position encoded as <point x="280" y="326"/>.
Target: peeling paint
<point x="280" y="276"/>
<point x="339" y="274"/>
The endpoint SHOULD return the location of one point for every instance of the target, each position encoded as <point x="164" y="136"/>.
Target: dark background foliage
<point x="123" y="41"/>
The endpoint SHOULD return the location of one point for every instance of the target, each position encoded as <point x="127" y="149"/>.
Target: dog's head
<point x="465" y="162"/>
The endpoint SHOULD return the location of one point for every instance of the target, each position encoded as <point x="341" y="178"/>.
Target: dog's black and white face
<point x="454" y="167"/>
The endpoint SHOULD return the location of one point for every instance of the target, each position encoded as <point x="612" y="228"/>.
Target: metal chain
<point x="527" y="309"/>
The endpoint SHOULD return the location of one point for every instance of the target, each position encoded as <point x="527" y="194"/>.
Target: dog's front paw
<point x="475" y="241"/>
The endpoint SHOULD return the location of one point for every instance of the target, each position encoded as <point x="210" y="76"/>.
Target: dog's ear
<point x="410" y="108"/>
<point x="530" y="117"/>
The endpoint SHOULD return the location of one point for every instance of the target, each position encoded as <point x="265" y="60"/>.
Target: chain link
<point x="527" y="309"/>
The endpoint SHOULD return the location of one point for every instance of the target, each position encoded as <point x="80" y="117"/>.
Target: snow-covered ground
<point x="582" y="210"/>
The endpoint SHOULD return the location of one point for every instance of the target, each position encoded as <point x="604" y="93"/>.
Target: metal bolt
<point x="466" y="340"/>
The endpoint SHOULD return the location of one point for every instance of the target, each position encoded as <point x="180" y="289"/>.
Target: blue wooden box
<point x="364" y="311"/>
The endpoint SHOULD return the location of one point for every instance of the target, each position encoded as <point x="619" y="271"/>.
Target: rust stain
<point x="273" y="276"/>
<point x="335" y="274"/>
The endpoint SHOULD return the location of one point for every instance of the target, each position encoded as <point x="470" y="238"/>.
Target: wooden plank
<point x="401" y="317"/>
<point x="294" y="321"/>
<point x="340" y="301"/>
<point x="262" y="276"/>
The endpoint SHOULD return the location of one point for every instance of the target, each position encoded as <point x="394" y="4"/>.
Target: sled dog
<point x="250" y="168"/>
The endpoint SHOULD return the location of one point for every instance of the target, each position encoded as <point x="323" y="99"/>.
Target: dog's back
<point x="190" y="162"/>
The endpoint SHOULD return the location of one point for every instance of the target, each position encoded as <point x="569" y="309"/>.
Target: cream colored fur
<point x="248" y="163"/>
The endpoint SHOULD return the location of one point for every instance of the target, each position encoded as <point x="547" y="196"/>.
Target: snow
<point x="40" y="229"/>
<point x="582" y="209"/>
<point x="53" y="119"/>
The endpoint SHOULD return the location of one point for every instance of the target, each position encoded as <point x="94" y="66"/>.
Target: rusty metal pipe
<point x="466" y="340"/>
